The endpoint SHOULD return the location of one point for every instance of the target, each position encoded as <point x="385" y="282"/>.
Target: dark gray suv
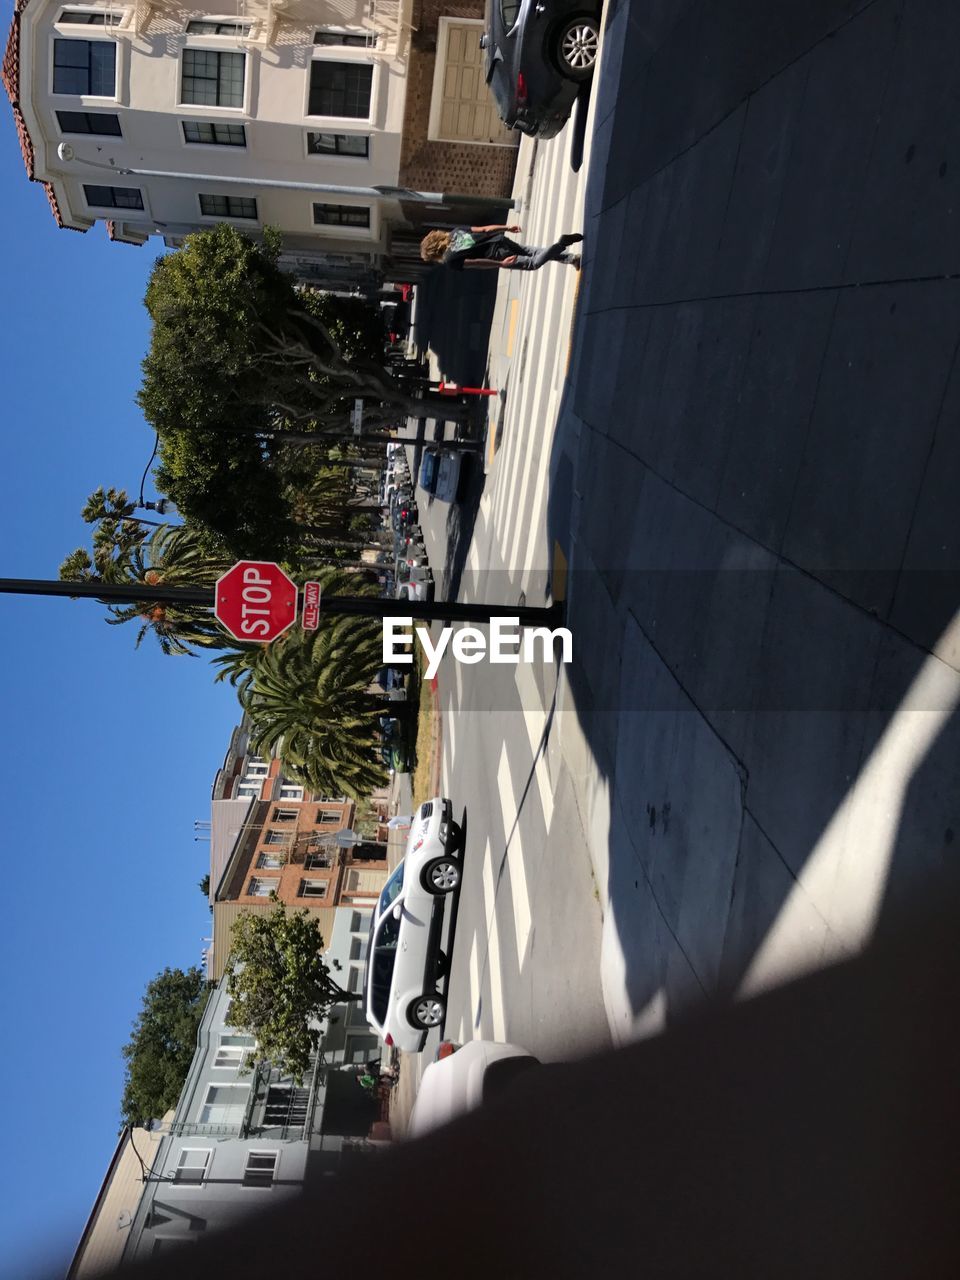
<point x="537" y="54"/>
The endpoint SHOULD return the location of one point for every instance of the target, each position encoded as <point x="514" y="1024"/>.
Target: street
<point x="737" y="426"/>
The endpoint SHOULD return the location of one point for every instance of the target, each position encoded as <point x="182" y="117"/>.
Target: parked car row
<point x="412" y="576"/>
<point x="440" y="472"/>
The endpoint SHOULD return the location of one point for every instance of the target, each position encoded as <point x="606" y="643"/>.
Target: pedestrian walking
<point x="468" y="248"/>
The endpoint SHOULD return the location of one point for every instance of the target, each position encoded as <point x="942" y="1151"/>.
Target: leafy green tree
<point x="239" y="357"/>
<point x="162" y="1044"/>
<point x="281" y="986"/>
<point x="204" y="885"/>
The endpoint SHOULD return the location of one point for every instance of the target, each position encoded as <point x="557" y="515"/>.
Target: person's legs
<point x="532" y="258"/>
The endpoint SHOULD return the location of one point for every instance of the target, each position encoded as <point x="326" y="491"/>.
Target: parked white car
<point x="404" y="960"/>
<point x="462" y="1079"/>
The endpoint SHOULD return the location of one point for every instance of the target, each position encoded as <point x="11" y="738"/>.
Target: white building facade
<point x="213" y="111"/>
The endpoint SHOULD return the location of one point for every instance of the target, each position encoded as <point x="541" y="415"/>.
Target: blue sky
<point x="108" y="753"/>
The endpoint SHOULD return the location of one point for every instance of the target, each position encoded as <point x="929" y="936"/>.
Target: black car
<point x="537" y="55"/>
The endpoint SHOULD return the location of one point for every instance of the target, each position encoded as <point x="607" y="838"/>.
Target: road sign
<point x="255" y="600"/>
<point x="311" y="606"/>
<point x="357" y="416"/>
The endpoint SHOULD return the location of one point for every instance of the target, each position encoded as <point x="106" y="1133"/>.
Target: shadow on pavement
<point x="754" y="480"/>
<point x="453" y="316"/>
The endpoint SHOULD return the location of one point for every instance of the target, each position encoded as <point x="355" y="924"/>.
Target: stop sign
<point x="255" y="600"/>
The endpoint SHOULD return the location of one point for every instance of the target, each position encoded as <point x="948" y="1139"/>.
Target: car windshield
<point x="390" y="890"/>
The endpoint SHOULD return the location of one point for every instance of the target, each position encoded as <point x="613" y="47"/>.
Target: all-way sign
<point x="311" y="606"/>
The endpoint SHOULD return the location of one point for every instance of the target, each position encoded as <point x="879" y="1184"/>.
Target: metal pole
<point x="358" y="606"/>
<point x="67" y="154"/>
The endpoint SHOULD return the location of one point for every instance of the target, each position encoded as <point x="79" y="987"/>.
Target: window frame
<point x="72" y="133"/>
<point x="242" y="219"/>
<point x="205" y="1101"/>
<point x="215" y="107"/>
<point x="341" y="228"/>
<point x="70" y="35"/>
<point x="370" y="39"/>
<point x="309" y="880"/>
<point x="336" y="133"/>
<point x="273" y="881"/>
<point x="113" y="208"/>
<point x="261" y="1186"/>
<point x="245" y="27"/>
<point x="119" y="14"/>
<point x="213" y="125"/>
<point x="346" y="61"/>
<point x="177" y="1181"/>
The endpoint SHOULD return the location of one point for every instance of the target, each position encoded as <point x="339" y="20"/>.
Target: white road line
<point x="474" y="978"/>
<point x="494" y="974"/>
<point x="520" y="895"/>
<point x="535" y="719"/>
<point x="458" y="678"/>
<point x="449" y="734"/>
<point x="536" y="505"/>
<point x="473" y="557"/>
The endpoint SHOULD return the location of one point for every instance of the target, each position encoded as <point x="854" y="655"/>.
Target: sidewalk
<point x="764" y="392"/>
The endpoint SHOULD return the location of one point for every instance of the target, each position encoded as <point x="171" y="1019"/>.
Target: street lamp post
<point x="384" y="192"/>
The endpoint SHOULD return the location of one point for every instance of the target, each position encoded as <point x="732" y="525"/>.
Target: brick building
<point x="270" y="836"/>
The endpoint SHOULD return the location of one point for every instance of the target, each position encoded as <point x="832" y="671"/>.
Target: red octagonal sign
<point x="255" y="600"/>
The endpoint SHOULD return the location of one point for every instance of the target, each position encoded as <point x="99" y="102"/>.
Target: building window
<point x="209" y="134"/>
<point x="353" y="978"/>
<point x="338" y="144"/>
<point x="261" y="1168"/>
<point x="358" y="948"/>
<point x="345" y="39"/>
<point x="212" y="79"/>
<point x="113" y="197"/>
<point x="248" y="791"/>
<point x="192" y="1164"/>
<point x="285" y="815"/>
<point x="317" y="861"/>
<point x="232" y="1051"/>
<point x="289" y="791"/>
<point x="341" y="215"/>
<point x="340" y="89"/>
<point x="224" y="1104"/>
<point x="85" y="67"/>
<point x="262" y="886"/>
<point x="278" y="837"/>
<point x="228" y="207"/>
<point x="312" y="889"/>
<point x="356" y="922"/>
<point x="328" y="817"/>
<point x="255" y="768"/>
<point x="92" y="17"/>
<point x="200" y="27"/>
<point x="269" y="862"/>
<point x="98" y="122"/>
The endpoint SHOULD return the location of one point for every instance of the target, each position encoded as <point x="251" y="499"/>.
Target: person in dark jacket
<point x="466" y="248"/>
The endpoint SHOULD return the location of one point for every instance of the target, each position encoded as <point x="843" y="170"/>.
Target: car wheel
<point x="428" y="1011"/>
<point x="578" y="43"/>
<point x="442" y="875"/>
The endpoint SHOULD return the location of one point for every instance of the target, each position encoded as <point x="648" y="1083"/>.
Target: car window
<point x="509" y="12"/>
<point x="390" y="890"/>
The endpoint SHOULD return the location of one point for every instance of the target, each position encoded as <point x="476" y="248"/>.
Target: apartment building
<point x="243" y="1137"/>
<point x="315" y="116"/>
<point x="271" y="837"/>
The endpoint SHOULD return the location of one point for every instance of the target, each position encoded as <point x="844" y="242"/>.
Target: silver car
<point x="404" y="960"/>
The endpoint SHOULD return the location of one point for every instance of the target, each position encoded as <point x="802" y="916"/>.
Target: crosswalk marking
<point x="494" y="975"/>
<point x="520" y="894"/>
<point x="534" y="719"/>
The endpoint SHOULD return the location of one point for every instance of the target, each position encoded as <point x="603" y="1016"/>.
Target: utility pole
<point x="358" y="606"/>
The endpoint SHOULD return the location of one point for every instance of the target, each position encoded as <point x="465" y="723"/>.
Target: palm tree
<point x="172" y="555"/>
<point x="306" y="697"/>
